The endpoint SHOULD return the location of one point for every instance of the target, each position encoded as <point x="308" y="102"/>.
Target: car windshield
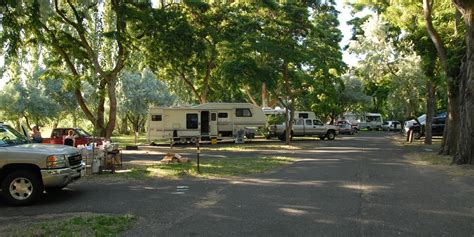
<point x="82" y="133"/>
<point x="9" y="136"/>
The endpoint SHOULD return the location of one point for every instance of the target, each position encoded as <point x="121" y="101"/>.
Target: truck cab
<point x="81" y="137"/>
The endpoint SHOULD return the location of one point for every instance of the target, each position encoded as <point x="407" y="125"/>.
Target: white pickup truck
<point x="28" y="169"/>
<point x="305" y="127"/>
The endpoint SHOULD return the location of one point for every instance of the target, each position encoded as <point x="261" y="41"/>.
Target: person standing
<point x="69" y="140"/>
<point x="36" y="135"/>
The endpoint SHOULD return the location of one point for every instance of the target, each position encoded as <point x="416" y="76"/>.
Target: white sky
<point x="346" y="30"/>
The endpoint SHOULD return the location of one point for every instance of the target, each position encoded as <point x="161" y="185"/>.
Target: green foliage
<point x="394" y="78"/>
<point x="28" y="99"/>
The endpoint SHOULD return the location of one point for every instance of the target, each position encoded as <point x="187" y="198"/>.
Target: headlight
<point x="56" y="161"/>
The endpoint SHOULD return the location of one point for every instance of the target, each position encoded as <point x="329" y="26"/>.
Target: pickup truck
<point x="305" y="127"/>
<point x="29" y="169"/>
<point x="81" y="137"/>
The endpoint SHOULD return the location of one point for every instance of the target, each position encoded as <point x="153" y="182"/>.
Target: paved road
<point x="353" y="186"/>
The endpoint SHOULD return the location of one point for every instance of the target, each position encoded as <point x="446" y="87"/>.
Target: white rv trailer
<point x="205" y="121"/>
<point x="364" y="120"/>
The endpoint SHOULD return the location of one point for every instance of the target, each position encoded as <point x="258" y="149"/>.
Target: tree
<point x="139" y="91"/>
<point x="26" y="99"/>
<point x="465" y="149"/>
<point x="72" y="33"/>
<point x="389" y="68"/>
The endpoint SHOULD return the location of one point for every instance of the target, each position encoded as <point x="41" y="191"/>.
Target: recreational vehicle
<point x="205" y="121"/>
<point x="364" y="120"/>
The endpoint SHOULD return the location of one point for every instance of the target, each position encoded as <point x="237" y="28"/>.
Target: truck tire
<point x="22" y="187"/>
<point x="417" y="135"/>
<point x="283" y="136"/>
<point x="331" y="135"/>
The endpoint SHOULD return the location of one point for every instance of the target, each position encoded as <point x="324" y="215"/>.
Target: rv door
<point x="213" y="125"/>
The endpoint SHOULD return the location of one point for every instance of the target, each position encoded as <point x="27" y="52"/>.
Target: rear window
<point x="303" y="115"/>
<point x="156" y="117"/>
<point x="243" y="113"/>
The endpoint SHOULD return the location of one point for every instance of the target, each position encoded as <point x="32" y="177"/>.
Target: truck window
<point x="299" y="122"/>
<point x="309" y="122"/>
<point x="192" y="121"/>
<point x="57" y="133"/>
<point x="317" y="122"/>
<point x="156" y="117"/>
<point x="222" y="115"/>
<point x="303" y="115"/>
<point x="243" y="113"/>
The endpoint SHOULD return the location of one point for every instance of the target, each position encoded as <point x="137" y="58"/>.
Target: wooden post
<point x="198" y="153"/>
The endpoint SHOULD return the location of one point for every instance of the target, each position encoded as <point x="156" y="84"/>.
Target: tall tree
<point x="74" y="32"/>
<point x="465" y="147"/>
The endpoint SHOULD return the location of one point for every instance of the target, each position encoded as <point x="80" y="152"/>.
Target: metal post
<point x="198" y="153"/>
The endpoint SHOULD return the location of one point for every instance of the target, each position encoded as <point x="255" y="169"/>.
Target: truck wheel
<point x="416" y="135"/>
<point x="282" y="137"/>
<point x="331" y="135"/>
<point x="22" y="187"/>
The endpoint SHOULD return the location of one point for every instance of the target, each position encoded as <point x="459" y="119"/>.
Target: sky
<point x="344" y="16"/>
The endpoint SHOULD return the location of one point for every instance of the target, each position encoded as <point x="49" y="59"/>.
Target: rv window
<point x="156" y="117"/>
<point x="213" y="117"/>
<point x="192" y="121"/>
<point x="222" y="115"/>
<point x="243" y="113"/>
<point x="303" y="115"/>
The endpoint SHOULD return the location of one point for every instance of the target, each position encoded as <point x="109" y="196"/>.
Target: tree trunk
<point x="465" y="147"/>
<point x="264" y="95"/>
<point x="450" y="136"/>
<point x="111" y="88"/>
<point x="124" y="125"/>
<point x="289" y="105"/>
<point x="430" y="107"/>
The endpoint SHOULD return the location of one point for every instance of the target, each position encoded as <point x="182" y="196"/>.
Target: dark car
<point x="437" y="128"/>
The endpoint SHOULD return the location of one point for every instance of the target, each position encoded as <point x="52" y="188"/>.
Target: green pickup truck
<point x="29" y="169"/>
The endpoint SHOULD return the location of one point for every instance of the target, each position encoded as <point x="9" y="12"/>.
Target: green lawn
<point x="222" y="167"/>
<point x="129" y="140"/>
<point x="94" y="225"/>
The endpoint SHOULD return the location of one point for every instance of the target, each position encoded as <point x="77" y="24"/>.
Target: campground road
<point x="352" y="186"/>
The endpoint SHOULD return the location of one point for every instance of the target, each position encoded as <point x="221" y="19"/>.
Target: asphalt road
<point x="352" y="186"/>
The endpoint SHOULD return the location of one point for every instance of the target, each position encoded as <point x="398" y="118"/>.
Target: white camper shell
<point x="205" y="121"/>
<point x="298" y="114"/>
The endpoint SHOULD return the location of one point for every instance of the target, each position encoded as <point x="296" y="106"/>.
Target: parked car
<point x="344" y="127"/>
<point x="437" y="128"/>
<point x="26" y="170"/>
<point x="81" y="137"/>
<point x="422" y="119"/>
<point x="391" y="126"/>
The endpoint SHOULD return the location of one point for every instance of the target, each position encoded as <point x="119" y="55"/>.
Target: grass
<point x="222" y="167"/>
<point x="440" y="162"/>
<point x="129" y="140"/>
<point x="94" y="225"/>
